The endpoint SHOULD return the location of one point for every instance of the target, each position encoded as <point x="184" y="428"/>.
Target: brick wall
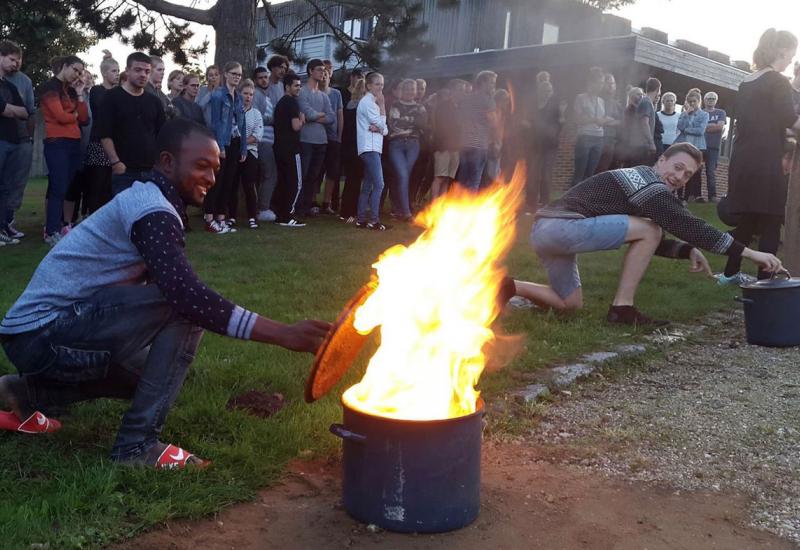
<point x="564" y="166"/>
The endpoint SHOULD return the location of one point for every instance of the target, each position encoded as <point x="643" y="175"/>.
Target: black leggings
<point x="217" y="199"/>
<point x="768" y="229"/>
<point x="248" y="179"/>
<point x="353" y="175"/>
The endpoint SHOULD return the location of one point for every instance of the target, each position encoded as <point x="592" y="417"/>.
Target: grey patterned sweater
<point x="639" y="192"/>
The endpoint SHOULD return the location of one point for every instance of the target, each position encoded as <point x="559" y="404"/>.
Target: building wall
<point x="565" y="159"/>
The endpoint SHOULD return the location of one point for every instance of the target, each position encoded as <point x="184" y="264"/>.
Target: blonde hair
<point x="359" y="90"/>
<point x="669" y="95"/>
<point x="484" y="77"/>
<point x="247" y="83"/>
<point x="769" y="46"/>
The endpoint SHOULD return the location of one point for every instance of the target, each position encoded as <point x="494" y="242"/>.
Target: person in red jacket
<point x="64" y="108"/>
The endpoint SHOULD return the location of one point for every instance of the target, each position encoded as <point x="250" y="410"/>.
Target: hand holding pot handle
<point x="765" y="260"/>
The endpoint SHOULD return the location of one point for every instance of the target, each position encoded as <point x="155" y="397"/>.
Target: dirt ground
<point x="569" y="481"/>
<point x="528" y="501"/>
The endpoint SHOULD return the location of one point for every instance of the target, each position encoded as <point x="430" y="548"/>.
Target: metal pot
<point x="772" y="311"/>
<point x="411" y="475"/>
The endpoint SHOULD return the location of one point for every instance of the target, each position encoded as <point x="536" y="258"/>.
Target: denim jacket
<point x="692" y="128"/>
<point x="223" y="114"/>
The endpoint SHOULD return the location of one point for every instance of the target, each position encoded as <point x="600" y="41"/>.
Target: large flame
<point x="435" y="302"/>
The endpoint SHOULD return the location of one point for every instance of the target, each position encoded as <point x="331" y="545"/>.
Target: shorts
<point x="558" y="240"/>
<point x="445" y="164"/>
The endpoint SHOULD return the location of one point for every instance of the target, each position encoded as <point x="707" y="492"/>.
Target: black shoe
<point x="361" y="225"/>
<point x="378" y="226"/>
<point x="629" y="315"/>
<point x="291" y="223"/>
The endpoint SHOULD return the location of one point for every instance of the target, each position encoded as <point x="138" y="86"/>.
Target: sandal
<point x="37" y="423"/>
<point x="175" y="458"/>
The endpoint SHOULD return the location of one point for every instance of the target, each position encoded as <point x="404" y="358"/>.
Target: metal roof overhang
<point x="606" y="52"/>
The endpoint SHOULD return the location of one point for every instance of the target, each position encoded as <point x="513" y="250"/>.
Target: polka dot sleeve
<point x="159" y="239"/>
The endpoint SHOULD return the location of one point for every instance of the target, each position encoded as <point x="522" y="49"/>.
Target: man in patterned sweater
<point x="634" y="206"/>
<point x="129" y="326"/>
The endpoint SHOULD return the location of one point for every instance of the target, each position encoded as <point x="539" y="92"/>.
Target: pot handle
<point x="340" y="431"/>
<point x="742" y="300"/>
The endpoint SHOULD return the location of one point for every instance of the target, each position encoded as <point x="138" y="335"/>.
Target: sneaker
<point x="629" y="315"/>
<point x="713" y="200"/>
<point x="66" y="229"/>
<point x="5" y="238"/>
<point x="252" y="223"/>
<point x="700" y="200"/>
<point x="212" y="226"/>
<point x="220" y="228"/>
<point x="378" y="226"/>
<point x="350" y="221"/>
<point x="518" y="302"/>
<point x="329" y="211"/>
<point x="266" y="216"/>
<point x="53" y="238"/>
<point x="13" y="232"/>
<point x="230" y="222"/>
<point x="291" y="223"/>
<point x="361" y="225"/>
<point x="738" y="279"/>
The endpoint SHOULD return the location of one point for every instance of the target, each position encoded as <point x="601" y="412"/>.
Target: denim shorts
<point x="558" y="240"/>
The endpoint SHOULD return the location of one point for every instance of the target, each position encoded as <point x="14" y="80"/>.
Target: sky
<point x="729" y="26"/>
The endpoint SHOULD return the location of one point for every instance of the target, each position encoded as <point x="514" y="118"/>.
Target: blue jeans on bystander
<point x="471" y="163"/>
<point x="403" y="152"/>
<point x="370" y="197"/>
<point x="63" y="157"/>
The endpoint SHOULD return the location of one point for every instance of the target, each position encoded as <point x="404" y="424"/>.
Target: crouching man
<point x="633" y="206"/>
<point x="115" y="310"/>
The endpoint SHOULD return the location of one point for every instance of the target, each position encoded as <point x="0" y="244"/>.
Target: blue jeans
<point x="19" y="172"/>
<point x="588" y="150"/>
<point x="471" y="163"/>
<point x="8" y="161"/>
<point x="403" y="152"/>
<point x="126" y="342"/>
<point x="371" y="189"/>
<point x="63" y="157"/>
<point x="557" y="241"/>
<point x="312" y="156"/>
<point x="711" y="158"/>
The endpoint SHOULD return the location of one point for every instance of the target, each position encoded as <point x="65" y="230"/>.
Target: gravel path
<point x="713" y="414"/>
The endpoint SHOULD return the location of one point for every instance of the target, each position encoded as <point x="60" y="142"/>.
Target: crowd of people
<point x="128" y="327"/>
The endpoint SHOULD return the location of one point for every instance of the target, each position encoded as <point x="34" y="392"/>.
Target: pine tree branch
<point x="196" y="15"/>
<point x="340" y="35"/>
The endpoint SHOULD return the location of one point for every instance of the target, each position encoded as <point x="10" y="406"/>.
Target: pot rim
<point x="480" y="410"/>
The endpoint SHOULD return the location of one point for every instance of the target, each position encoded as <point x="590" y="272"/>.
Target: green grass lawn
<point x="62" y="489"/>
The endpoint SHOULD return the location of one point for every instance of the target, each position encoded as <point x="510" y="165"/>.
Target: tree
<point x="396" y="36"/>
<point x="44" y="29"/>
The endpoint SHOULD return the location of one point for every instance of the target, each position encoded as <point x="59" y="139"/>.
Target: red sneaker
<point x="175" y="458"/>
<point x="37" y="423"/>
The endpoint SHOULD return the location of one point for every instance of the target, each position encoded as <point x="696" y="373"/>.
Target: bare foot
<point x="7" y="396"/>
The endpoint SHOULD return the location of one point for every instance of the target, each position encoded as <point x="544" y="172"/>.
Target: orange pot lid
<point x="339" y="349"/>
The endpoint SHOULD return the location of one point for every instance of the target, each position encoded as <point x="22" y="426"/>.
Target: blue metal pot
<point x="772" y="311"/>
<point x="411" y="476"/>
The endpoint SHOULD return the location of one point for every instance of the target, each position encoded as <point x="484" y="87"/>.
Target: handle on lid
<point x="742" y="300"/>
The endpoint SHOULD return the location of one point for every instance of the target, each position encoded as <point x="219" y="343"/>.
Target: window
<point x="550" y="33"/>
<point x="352" y="28"/>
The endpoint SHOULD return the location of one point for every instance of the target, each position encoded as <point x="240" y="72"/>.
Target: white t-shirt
<point x="670" y="124"/>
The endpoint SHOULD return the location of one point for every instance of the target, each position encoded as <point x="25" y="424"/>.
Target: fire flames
<point x="435" y="302"/>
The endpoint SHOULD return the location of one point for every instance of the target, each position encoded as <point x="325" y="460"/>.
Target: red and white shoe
<point x="175" y="458"/>
<point x="37" y="423"/>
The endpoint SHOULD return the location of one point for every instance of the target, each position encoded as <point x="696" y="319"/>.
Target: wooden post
<point x="791" y="239"/>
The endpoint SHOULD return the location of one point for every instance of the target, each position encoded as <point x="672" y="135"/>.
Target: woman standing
<point x="98" y="168"/>
<point x="64" y="108"/>
<point x="248" y="172"/>
<point x="175" y="84"/>
<point x="370" y="129"/>
<point x="548" y="120"/>
<point x="185" y="104"/>
<point x="757" y="188"/>
<point x="692" y="129"/>
<point x="351" y="165"/>
<point x="407" y="121"/>
<point x="204" y="94"/>
<point x="227" y="122"/>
